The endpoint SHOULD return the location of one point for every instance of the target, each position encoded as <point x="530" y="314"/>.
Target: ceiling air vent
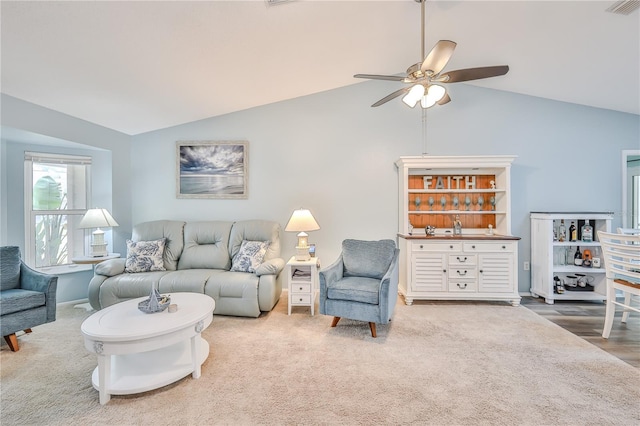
<point x="624" y="7"/>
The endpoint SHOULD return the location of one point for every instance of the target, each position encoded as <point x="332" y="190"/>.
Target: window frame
<point x="30" y="214"/>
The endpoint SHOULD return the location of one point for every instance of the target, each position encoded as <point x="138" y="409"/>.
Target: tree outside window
<point x="58" y="195"/>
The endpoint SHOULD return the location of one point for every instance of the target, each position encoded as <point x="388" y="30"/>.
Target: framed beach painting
<point x="212" y="169"/>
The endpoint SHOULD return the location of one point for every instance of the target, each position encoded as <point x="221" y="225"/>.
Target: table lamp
<point x="302" y="221"/>
<point x="97" y="218"/>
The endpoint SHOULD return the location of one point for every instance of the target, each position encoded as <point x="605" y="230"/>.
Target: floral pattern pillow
<point x="250" y="256"/>
<point x="145" y="256"/>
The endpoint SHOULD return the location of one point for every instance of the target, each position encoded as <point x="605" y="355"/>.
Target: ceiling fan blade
<point x="473" y="74"/>
<point x="380" y="77"/>
<point x="445" y="99"/>
<point x="392" y="96"/>
<point x="439" y="56"/>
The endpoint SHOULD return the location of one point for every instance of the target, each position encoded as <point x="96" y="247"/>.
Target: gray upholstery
<point x="202" y="253"/>
<point x="363" y="283"/>
<point x="27" y="297"/>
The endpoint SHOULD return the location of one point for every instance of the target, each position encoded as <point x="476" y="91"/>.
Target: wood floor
<point x="585" y="319"/>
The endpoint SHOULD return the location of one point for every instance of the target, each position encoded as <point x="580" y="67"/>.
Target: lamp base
<point x="98" y="250"/>
<point x="302" y="253"/>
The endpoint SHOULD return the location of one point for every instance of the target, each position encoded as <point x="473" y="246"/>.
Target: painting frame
<point x="212" y="169"/>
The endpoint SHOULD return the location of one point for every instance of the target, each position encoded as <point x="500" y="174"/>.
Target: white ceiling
<point x="141" y="66"/>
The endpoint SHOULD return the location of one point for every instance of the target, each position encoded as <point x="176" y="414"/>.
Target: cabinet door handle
<point x="461" y="274"/>
<point x="300" y="288"/>
<point x="504" y="247"/>
<point x="444" y="270"/>
<point x="473" y="247"/>
<point x="462" y="286"/>
<point x="462" y="260"/>
<point x="481" y="271"/>
<point x="421" y="246"/>
<point x="451" y="247"/>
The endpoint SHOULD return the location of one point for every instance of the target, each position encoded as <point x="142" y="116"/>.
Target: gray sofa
<point x="198" y="258"/>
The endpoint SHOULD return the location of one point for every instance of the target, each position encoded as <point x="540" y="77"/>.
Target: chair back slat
<point x="621" y="255"/>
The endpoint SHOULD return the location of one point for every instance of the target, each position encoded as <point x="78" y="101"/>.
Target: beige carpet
<point x="439" y="364"/>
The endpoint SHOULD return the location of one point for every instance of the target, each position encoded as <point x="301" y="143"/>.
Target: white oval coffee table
<point x="138" y="352"/>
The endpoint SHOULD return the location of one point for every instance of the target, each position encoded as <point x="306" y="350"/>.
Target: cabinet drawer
<point x="300" y="287"/>
<point x="462" y="272"/>
<point x="463" y="286"/>
<point x="488" y="247"/>
<point x="300" y="299"/>
<point x="457" y="260"/>
<point x="439" y="247"/>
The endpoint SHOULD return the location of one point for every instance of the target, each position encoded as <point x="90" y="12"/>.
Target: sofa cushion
<point x="145" y="256"/>
<point x="171" y="230"/>
<point x="367" y="258"/>
<point x="16" y="300"/>
<point x="255" y="230"/>
<point x="9" y="267"/>
<point x="206" y="246"/>
<point x="250" y="256"/>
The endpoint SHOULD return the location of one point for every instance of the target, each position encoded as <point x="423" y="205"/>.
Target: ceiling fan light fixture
<point x="434" y="94"/>
<point x="414" y="95"/>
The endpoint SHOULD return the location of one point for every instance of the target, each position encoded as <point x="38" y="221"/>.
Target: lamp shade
<point x="97" y="218"/>
<point x="301" y="221"/>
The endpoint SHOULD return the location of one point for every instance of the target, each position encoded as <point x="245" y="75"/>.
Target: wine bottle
<point x="573" y="232"/>
<point x="587" y="232"/>
<point x="562" y="232"/>
<point x="577" y="258"/>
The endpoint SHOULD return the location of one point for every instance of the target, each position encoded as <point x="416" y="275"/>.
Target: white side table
<point x="91" y="260"/>
<point x="302" y="279"/>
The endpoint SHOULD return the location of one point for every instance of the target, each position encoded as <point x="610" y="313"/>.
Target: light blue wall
<point x="332" y="153"/>
<point x="28" y="127"/>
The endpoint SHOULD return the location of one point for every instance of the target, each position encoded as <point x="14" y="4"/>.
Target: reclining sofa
<point x="209" y="257"/>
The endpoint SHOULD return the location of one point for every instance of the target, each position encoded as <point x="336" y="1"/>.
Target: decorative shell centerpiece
<point x="155" y="303"/>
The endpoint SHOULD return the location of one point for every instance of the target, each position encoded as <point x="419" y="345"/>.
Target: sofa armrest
<point x="270" y="267"/>
<point x="111" y="267"/>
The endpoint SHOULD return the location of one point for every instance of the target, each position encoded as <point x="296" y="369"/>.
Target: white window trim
<point x="29" y="216"/>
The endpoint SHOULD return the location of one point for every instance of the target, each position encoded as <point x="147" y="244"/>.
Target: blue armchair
<point x="27" y="297"/>
<point x="362" y="284"/>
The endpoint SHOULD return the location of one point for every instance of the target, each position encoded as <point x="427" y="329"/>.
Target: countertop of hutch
<point x="459" y="237"/>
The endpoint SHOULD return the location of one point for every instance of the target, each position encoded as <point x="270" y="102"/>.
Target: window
<point x="56" y="197"/>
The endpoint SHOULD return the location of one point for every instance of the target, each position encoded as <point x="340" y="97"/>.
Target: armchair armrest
<point x="111" y="267"/>
<point x="331" y="273"/>
<point x="37" y="281"/>
<point x="271" y="267"/>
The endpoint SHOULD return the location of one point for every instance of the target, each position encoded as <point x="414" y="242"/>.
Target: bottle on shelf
<point x="573" y="232"/>
<point x="595" y="261"/>
<point x="577" y="257"/>
<point x="555" y="231"/>
<point x="587" y="232"/>
<point x="562" y="231"/>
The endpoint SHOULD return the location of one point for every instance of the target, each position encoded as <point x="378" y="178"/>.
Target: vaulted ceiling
<point x="141" y="66"/>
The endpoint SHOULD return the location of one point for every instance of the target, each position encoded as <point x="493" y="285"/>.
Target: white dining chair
<point x="621" y="256"/>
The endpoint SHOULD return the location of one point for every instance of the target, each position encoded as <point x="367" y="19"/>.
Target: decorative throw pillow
<point x="250" y="256"/>
<point x="145" y="256"/>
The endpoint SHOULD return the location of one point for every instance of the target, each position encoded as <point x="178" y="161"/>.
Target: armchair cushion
<point x="16" y="300"/>
<point x="10" y="268"/>
<point x="356" y="289"/>
<point x="367" y="258"/>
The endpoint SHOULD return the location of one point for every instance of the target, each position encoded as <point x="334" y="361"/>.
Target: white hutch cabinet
<point x="479" y="264"/>
<point x="549" y="256"/>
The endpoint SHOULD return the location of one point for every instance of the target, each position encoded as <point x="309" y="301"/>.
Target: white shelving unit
<point x="545" y="252"/>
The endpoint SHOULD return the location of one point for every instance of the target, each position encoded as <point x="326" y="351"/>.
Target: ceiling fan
<point x="425" y="77"/>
